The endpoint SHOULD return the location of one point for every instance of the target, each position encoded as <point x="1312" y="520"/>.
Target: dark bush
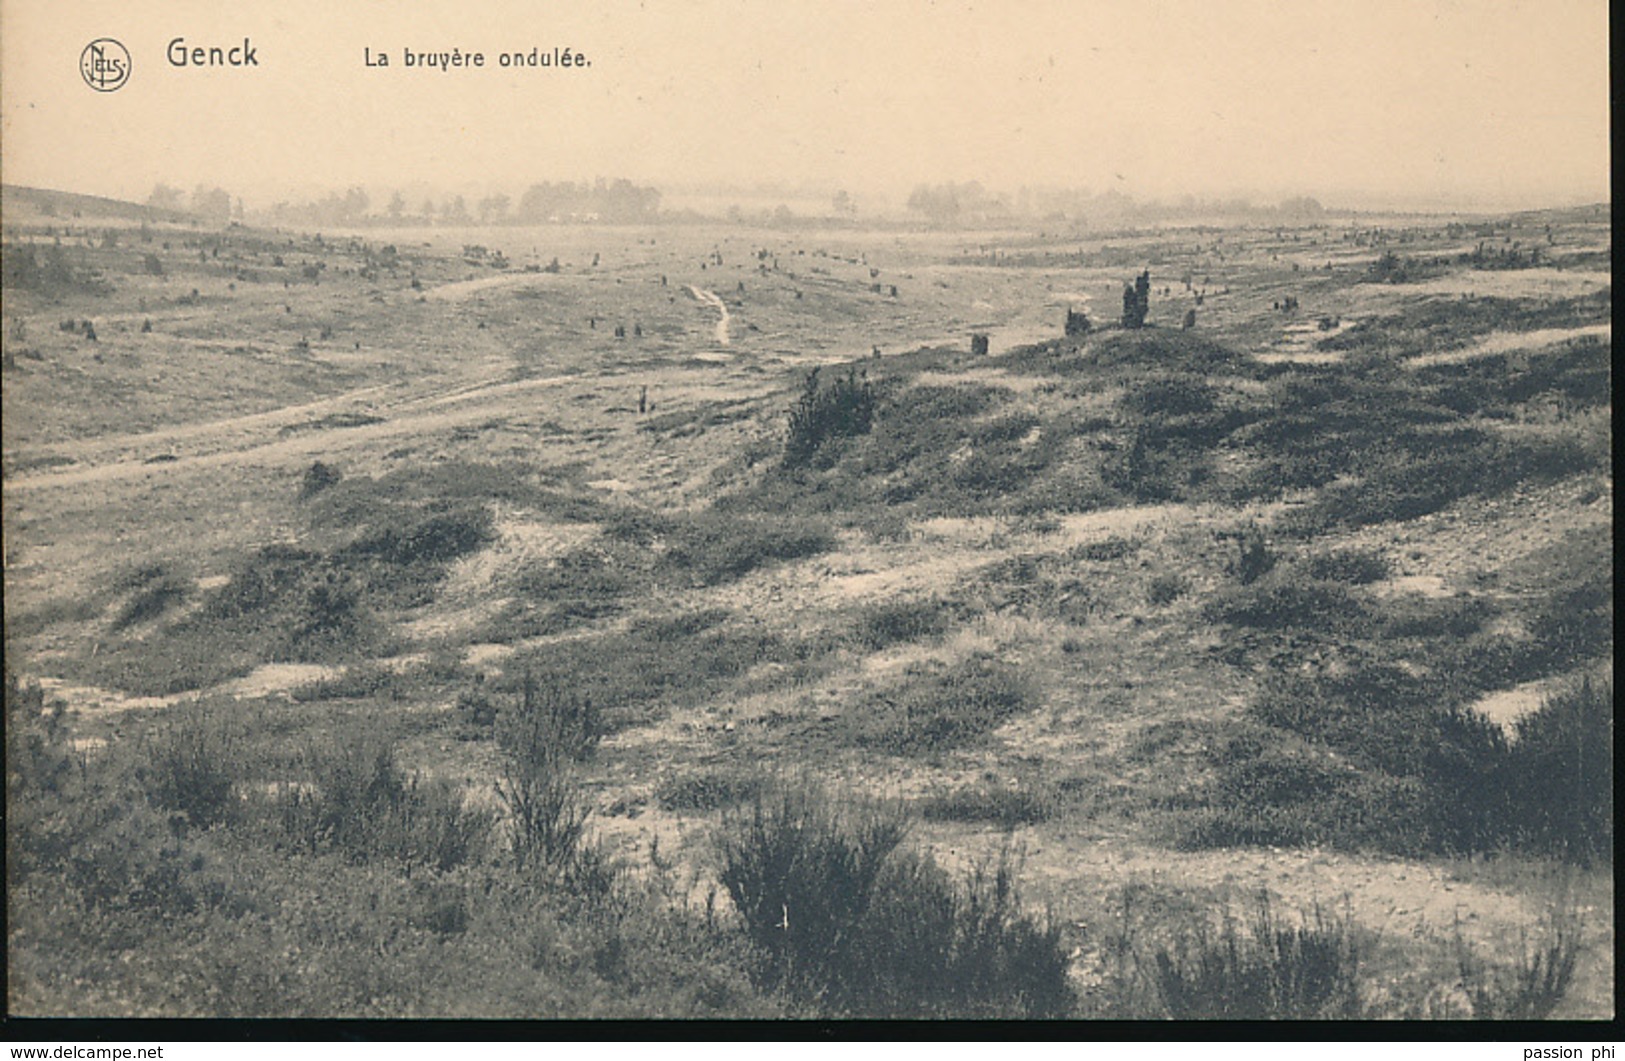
<point x="1006" y="806"/>
<point x="1275" y="791"/>
<point x="318" y="477"/>
<point x="1561" y="775"/>
<point x="710" y="790"/>
<point x="802" y="875"/>
<point x="842" y="410"/>
<point x="939" y="709"/>
<point x="1533" y="987"/>
<point x="1282" y="602"/>
<point x="1255" y="559"/>
<point x="882" y="625"/>
<point x="153" y="598"/>
<point x="433" y="538"/>
<point x="359" y="803"/>
<point x="1167" y="588"/>
<point x="713" y="549"/>
<point x="1171" y="396"/>
<point x="191" y="768"/>
<point x="1357" y="567"/>
<point x="541" y="738"/>
<point x="855" y="926"/>
<point x="550" y="721"/>
<point x="1270" y="972"/>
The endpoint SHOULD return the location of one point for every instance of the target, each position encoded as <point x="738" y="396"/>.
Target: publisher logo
<point x="105" y="64"/>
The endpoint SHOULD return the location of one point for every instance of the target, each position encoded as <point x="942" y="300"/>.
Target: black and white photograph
<point x="808" y="511"/>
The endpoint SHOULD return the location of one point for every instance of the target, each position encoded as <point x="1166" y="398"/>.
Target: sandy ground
<point x="512" y="370"/>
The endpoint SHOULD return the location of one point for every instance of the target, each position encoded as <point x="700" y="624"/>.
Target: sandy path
<point x="461" y="290"/>
<point x="710" y="298"/>
<point x="259" y="437"/>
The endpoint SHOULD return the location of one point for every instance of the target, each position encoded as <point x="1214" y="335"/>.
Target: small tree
<point x="541" y="739"/>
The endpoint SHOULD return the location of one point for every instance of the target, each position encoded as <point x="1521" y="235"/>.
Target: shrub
<point x="713" y="549"/>
<point x="541" y="738"/>
<point x="1172" y="396"/>
<point x="932" y="949"/>
<point x="476" y="711"/>
<point x="1006" y="806"/>
<point x="941" y="709"/>
<point x="191" y="768"/>
<point x="1167" y="588"/>
<point x="431" y="538"/>
<point x="844" y="409"/>
<point x="1284" y="602"/>
<point x="1357" y="567"/>
<point x="156" y="590"/>
<point x="359" y="803"/>
<point x="1255" y="559"/>
<point x="1271" y="972"/>
<point x="1576" y="622"/>
<point x="882" y="625"/>
<point x="318" y="477"/>
<point x="1376" y="715"/>
<point x="711" y="790"/>
<point x="1533" y="987"/>
<point x="328" y="619"/>
<point x="37" y="751"/>
<point x="852" y="924"/>
<point x="1273" y="790"/>
<point x="802" y="875"/>
<point x="1562" y="774"/>
<point x="550" y="722"/>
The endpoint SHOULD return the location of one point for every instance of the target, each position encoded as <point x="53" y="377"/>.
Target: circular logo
<point x="105" y="64"/>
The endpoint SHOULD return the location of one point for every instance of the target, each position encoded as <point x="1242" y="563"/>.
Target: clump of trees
<point x="947" y="204"/>
<point x="617" y="202"/>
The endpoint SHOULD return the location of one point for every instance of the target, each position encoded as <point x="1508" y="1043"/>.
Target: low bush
<point x="1532" y="987"/>
<point x="939" y="708"/>
<point x="713" y="549"/>
<point x="852" y="924"/>
<point x="541" y="737"/>
<point x="318" y="477"/>
<point x="1357" y="567"/>
<point x="191" y="767"/>
<point x="1167" y="588"/>
<point x="1441" y="468"/>
<point x="844" y="409"/>
<point x="1270" y="971"/>
<point x="1170" y="396"/>
<point x="709" y="790"/>
<point x="156" y="591"/>
<point x="634" y="675"/>
<point x="356" y="801"/>
<point x="1254" y="559"/>
<point x="1561" y="775"/>
<point x="882" y="625"/>
<point x="1286" y="600"/>
<point x="1382" y="758"/>
<point x="991" y="803"/>
<point x="1273" y="790"/>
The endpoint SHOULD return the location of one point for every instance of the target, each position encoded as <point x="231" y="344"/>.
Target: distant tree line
<point x="950" y="203"/>
<point x="210" y="204"/>
<point x="618" y="201"/>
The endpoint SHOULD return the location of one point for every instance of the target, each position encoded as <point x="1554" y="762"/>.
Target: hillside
<point x="1119" y="631"/>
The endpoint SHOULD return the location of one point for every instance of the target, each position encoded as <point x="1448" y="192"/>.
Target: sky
<point x="1411" y="102"/>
